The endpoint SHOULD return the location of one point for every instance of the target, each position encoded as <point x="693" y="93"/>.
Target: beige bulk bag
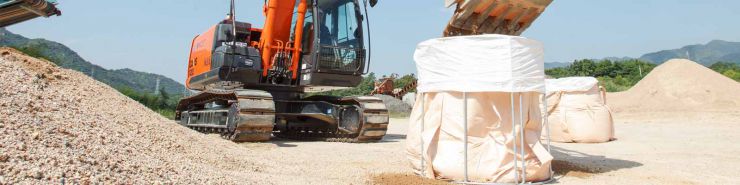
<point x="577" y="111"/>
<point x="490" y="141"/>
<point x="490" y="71"/>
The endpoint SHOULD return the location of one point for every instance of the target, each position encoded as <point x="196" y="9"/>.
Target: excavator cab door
<point x="339" y="37"/>
<point x="333" y="44"/>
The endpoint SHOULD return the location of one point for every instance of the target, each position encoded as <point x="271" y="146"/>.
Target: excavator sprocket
<point x="241" y="115"/>
<point x="367" y="115"/>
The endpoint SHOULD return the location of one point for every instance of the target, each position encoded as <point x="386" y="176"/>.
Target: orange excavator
<point x="252" y="82"/>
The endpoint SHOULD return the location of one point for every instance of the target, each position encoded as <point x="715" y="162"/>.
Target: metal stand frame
<point x="518" y="179"/>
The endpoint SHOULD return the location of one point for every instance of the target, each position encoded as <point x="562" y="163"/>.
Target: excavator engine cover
<point x="215" y="60"/>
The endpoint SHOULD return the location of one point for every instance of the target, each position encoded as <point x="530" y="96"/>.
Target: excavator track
<point x="242" y="115"/>
<point x="369" y="113"/>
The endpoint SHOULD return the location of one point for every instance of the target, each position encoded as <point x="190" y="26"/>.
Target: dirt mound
<point x="395" y="106"/>
<point x="679" y="85"/>
<point x="404" y="179"/>
<point x="59" y="126"/>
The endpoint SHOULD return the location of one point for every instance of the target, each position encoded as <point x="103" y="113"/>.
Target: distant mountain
<point x="617" y="58"/>
<point x="63" y="56"/>
<point x="550" y="65"/>
<point x="707" y="54"/>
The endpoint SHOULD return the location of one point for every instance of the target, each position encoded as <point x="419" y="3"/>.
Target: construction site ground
<point x="690" y="149"/>
<point x="60" y="126"/>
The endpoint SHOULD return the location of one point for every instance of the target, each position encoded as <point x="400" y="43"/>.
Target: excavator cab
<point x="333" y="45"/>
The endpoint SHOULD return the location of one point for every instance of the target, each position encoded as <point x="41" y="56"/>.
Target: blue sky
<point x="154" y="35"/>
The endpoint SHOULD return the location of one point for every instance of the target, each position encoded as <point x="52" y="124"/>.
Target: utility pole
<point x="92" y="72"/>
<point x="156" y="88"/>
<point x="688" y="55"/>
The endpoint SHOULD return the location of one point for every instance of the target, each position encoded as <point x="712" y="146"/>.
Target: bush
<point x="162" y="103"/>
<point x="730" y="70"/>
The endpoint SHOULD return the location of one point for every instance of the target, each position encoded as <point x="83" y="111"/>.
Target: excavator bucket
<point x="16" y="11"/>
<point x="508" y="17"/>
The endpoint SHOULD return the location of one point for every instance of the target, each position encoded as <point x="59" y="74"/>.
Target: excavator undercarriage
<point x="239" y="115"/>
<point x="243" y="115"/>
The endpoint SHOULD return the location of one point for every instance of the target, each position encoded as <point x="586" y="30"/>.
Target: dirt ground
<point x="652" y="148"/>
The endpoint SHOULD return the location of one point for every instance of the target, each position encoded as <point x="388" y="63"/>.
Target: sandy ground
<point x="651" y="149"/>
<point x="654" y="148"/>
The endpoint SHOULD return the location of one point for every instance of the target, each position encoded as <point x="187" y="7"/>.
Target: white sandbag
<point x="481" y="63"/>
<point x="577" y="111"/>
<point x="570" y="84"/>
<point x="490" y="68"/>
<point x="490" y="137"/>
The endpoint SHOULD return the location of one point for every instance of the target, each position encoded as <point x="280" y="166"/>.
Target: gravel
<point x="410" y="99"/>
<point x="394" y="105"/>
<point x="59" y="126"/>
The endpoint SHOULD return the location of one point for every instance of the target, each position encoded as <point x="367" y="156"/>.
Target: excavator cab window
<point x="340" y="25"/>
<point x="339" y="31"/>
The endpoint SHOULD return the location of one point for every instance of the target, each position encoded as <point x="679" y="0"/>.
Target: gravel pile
<point x="59" y="126"/>
<point x="410" y="99"/>
<point x="394" y="105"/>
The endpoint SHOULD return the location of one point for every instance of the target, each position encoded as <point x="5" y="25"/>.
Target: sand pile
<point x="679" y="85"/>
<point x="59" y="126"/>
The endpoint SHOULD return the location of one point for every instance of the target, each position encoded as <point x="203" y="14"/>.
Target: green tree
<point x="404" y="81"/>
<point x="604" y="68"/>
<point x="583" y="68"/>
<point x="613" y="75"/>
<point x="559" y="72"/>
<point x="731" y="70"/>
<point x="732" y="74"/>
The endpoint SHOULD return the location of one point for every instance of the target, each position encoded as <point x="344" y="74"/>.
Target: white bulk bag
<point x="577" y="111"/>
<point x="490" y="71"/>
